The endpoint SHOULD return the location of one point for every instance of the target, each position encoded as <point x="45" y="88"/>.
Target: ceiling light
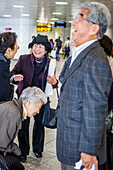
<point x="18" y="6"/>
<point x="6" y="15"/>
<point x="61" y="3"/>
<point x="52" y="22"/>
<point x="49" y="26"/>
<point x="25" y="15"/>
<point x="57" y="13"/>
<point x="55" y="19"/>
<point x="70" y="21"/>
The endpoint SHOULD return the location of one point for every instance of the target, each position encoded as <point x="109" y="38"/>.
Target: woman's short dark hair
<point x="106" y="43"/>
<point x="7" y="40"/>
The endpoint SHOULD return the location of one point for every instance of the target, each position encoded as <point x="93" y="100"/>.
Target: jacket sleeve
<point x="18" y="67"/>
<point x="97" y="81"/>
<point x="10" y="128"/>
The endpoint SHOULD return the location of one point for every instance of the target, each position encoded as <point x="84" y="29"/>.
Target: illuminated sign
<point x="44" y="27"/>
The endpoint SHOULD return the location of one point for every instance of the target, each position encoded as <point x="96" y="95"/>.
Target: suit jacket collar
<point x="18" y="103"/>
<point x="78" y="60"/>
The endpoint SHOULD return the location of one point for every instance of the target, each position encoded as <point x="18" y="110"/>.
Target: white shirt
<point x="67" y="43"/>
<point x="77" y="50"/>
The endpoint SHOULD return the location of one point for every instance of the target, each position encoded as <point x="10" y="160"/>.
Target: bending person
<point x="11" y="115"/>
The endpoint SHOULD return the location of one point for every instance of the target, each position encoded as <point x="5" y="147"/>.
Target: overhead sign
<point x="44" y="27"/>
<point x="8" y="29"/>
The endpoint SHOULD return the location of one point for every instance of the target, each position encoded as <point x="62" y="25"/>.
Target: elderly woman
<point x="11" y="115"/>
<point x="32" y="70"/>
<point x="107" y="44"/>
<point x="8" y="48"/>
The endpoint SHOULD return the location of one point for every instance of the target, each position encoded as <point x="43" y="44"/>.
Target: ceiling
<point x="42" y="10"/>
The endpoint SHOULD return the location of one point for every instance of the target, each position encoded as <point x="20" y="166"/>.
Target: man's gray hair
<point x="34" y="94"/>
<point x="99" y="14"/>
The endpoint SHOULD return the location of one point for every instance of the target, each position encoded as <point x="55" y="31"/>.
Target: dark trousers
<point x="10" y="162"/>
<point x="109" y="162"/>
<point x="57" y="53"/>
<point x="38" y="134"/>
<point x="67" y="49"/>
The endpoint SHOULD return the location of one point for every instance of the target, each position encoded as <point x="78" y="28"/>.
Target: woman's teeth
<point x="37" y="52"/>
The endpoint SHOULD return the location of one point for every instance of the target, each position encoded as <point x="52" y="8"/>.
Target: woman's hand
<point x="18" y="77"/>
<point x="51" y="80"/>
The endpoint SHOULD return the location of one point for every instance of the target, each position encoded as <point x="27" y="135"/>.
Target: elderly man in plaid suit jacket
<point x="86" y="80"/>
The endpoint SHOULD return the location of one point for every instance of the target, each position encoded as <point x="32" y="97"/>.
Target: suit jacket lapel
<point x="77" y="61"/>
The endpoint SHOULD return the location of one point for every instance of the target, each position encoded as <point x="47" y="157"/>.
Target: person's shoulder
<point x="24" y="56"/>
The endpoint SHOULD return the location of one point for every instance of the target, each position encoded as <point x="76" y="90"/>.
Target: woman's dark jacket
<point x="110" y="98"/>
<point x="4" y="78"/>
<point x="25" y="66"/>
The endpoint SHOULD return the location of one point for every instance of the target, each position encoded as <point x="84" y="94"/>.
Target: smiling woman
<point x="32" y="70"/>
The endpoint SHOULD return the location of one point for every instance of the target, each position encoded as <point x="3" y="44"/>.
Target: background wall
<point x="25" y="28"/>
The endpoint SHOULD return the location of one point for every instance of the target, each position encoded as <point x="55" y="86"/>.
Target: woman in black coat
<point x="8" y="48"/>
<point x="106" y="43"/>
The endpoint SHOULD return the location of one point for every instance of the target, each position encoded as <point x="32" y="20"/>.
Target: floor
<point x="49" y="160"/>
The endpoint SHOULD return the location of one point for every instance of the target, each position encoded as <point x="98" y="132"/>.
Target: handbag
<point x="49" y="119"/>
<point x="3" y="165"/>
<point x="109" y="124"/>
<point x="11" y="95"/>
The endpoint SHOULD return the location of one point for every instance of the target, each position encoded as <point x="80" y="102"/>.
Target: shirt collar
<point x="77" y="50"/>
<point x="24" y="115"/>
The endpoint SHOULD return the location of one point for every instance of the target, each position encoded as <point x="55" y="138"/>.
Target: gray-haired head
<point x="34" y="94"/>
<point x="99" y="14"/>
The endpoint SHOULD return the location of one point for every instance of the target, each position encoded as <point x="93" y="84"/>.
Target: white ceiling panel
<point x="43" y="9"/>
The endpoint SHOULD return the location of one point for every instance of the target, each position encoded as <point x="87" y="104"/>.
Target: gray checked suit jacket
<point x="83" y="106"/>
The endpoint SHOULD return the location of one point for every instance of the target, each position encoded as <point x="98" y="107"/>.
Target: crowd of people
<point x="86" y="94"/>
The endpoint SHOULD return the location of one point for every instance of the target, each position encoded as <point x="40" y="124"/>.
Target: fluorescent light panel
<point x="70" y="21"/>
<point x="25" y="15"/>
<point x="52" y="22"/>
<point x="57" y="13"/>
<point x="61" y="3"/>
<point x="55" y="19"/>
<point x="6" y="15"/>
<point x="18" y="6"/>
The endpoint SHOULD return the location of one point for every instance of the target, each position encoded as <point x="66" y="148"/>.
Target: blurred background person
<point x="32" y="70"/>
<point x="52" y="44"/>
<point x="67" y="47"/>
<point x="58" y="45"/>
<point x="11" y="115"/>
<point x="8" y="49"/>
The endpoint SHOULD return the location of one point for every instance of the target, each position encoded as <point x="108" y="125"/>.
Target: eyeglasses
<point x="18" y="47"/>
<point x="79" y="17"/>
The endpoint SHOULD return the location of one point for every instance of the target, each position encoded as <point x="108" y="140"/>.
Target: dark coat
<point x="25" y="67"/>
<point x="4" y="78"/>
<point x="10" y="123"/>
<point x="83" y="106"/>
<point x="110" y="98"/>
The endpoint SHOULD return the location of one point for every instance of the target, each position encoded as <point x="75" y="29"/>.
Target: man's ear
<point x="28" y="102"/>
<point x="94" y="29"/>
